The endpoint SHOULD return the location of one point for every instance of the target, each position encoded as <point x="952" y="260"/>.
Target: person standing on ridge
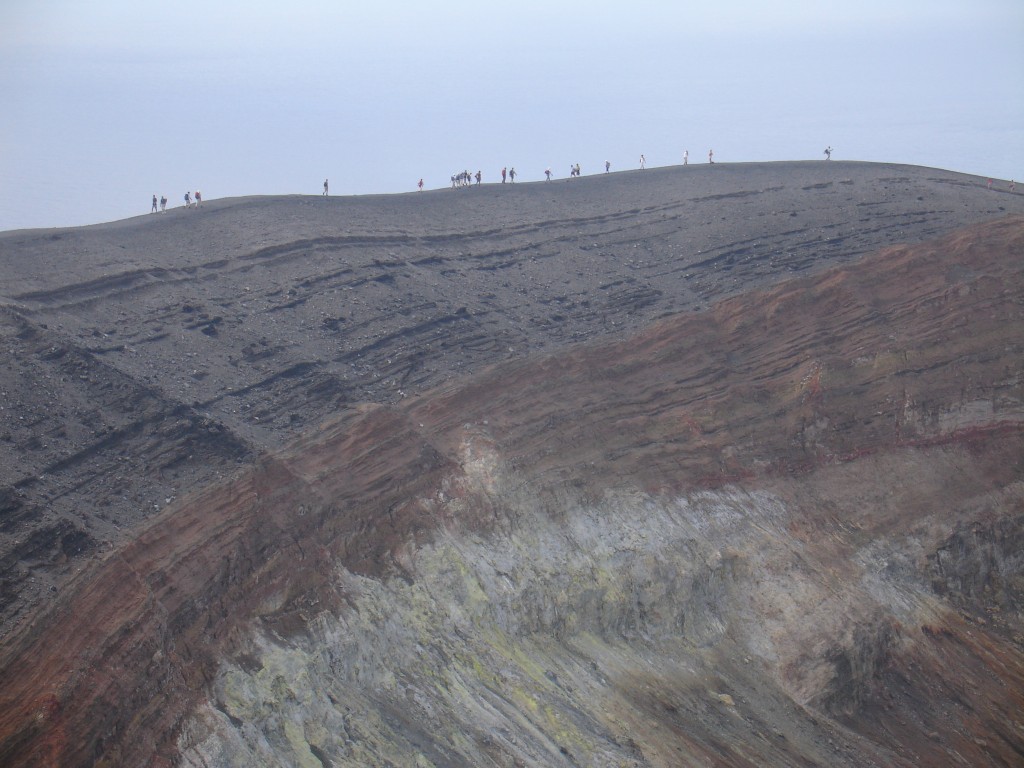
<point x="163" y="203"/>
<point x="512" y="175"/>
<point x="325" y="187"/>
<point x="686" y="157"/>
<point x="478" y="177"/>
<point x="199" y="198"/>
<point x="188" y="200"/>
<point x="547" y="172"/>
<point x="420" y="185"/>
<point x="711" y="156"/>
<point x="154" y="204"/>
<point x="828" y="153"/>
<point x="643" y="162"/>
<point x="504" y="171"/>
<point x="607" y="166"/>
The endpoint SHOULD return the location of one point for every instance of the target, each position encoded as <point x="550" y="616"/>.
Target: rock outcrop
<point x="776" y="521"/>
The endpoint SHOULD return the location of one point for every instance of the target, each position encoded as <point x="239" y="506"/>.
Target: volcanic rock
<point x="705" y="465"/>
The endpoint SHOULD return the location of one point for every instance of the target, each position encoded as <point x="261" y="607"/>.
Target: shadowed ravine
<point x="782" y="527"/>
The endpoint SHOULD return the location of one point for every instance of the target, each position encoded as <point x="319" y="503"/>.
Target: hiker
<point x="478" y="176"/>
<point x="420" y="185"/>
<point x="154" y="204"/>
<point x="711" y="156"/>
<point x="188" y="199"/>
<point x="325" y="187"/>
<point x="608" y="165"/>
<point x="163" y="203"/>
<point x="643" y="162"/>
<point x="686" y="157"/>
<point x="512" y="176"/>
<point x="828" y="153"/>
<point x="547" y="172"/>
<point x="199" y="198"/>
<point x="503" y="172"/>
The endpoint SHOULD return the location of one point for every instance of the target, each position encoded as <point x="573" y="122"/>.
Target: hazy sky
<point x="104" y="103"/>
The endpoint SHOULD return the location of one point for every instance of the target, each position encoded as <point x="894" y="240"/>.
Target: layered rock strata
<point x="149" y="357"/>
<point x="782" y="530"/>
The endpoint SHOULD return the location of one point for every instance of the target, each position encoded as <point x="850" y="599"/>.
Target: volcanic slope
<point x="744" y="525"/>
<point x="149" y="356"/>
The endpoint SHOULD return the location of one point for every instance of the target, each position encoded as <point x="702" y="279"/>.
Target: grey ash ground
<point x="145" y="357"/>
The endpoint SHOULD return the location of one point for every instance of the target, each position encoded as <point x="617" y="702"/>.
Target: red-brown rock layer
<point x="912" y="352"/>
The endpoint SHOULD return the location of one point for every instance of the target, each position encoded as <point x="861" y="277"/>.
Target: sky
<point x="106" y="103"/>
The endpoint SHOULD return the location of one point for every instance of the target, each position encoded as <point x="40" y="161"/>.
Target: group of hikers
<point x="508" y="175"/>
<point x="463" y="179"/>
<point x="190" y="202"/>
<point x="466" y="179"/>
